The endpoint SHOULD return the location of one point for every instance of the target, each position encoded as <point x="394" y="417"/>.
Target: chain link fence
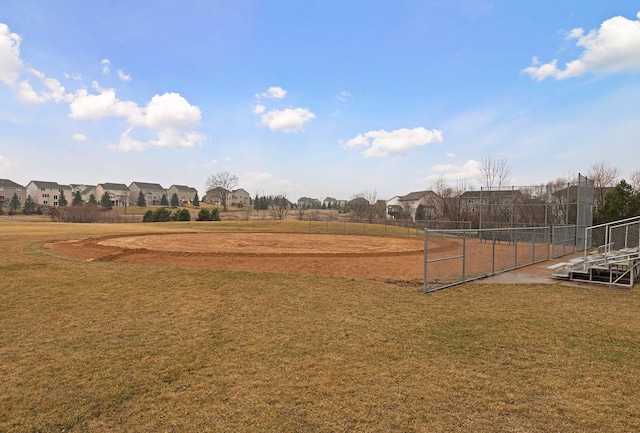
<point x="381" y="227"/>
<point x="457" y="256"/>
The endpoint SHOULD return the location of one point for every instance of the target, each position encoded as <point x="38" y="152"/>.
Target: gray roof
<point x="114" y="186"/>
<point x="416" y="195"/>
<point x="43" y="184"/>
<point x="9" y="184"/>
<point x="144" y="185"/>
<point x="184" y="188"/>
<point x="488" y="192"/>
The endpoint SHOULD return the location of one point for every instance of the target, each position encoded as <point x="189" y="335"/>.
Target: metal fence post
<point x="515" y="244"/>
<point x="425" y="261"/>
<point x="464" y="254"/>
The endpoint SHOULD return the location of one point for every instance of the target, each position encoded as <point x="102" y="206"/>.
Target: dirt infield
<point x="352" y="256"/>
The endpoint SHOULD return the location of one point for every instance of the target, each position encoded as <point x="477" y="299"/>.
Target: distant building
<point x="7" y="190"/>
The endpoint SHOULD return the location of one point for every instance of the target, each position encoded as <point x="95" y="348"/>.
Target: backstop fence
<point x="560" y="203"/>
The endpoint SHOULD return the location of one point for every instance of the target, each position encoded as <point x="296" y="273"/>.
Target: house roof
<point x="417" y="195"/>
<point x="329" y="199"/>
<point x="183" y="188"/>
<point x="144" y="185"/>
<point x="114" y="186"/>
<point x="496" y="192"/>
<point x="88" y="189"/>
<point x="44" y="184"/>
<point x="9" y="184"/>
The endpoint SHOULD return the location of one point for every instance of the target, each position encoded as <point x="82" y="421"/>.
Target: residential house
<point x="84" y="190"/>
<point x="183" y="192"/>
<point x="48" y="193"/>
<point x="394" y="210"/>
<point x="215" y="196"/>
<point x="7" y="190"/>
<point x="152" y="193"/>
<point x="493" y="208"/>
<point x="118" y="193"/>
<point x="431" y="202"/>
<point x="240" y="197"/>
<point x="309" y="203"/>
<point x="330" y="203"/>
<point x="87" y="192"/>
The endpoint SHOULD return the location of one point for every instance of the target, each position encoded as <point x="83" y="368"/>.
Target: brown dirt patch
<point x="353" y="256"/>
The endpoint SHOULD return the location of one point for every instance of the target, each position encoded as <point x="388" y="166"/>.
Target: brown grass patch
<point x="97" y="346"/>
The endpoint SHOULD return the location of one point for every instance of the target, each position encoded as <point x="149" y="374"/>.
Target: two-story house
<point x="431" y="202"/>
<point x="7" y="190"/>
<point x="183" y="192"/>
<point x="48" y="193"/>
<point x="152" y="193"/>
<point x="240" y="197"/>
<point x="118" y="193"/>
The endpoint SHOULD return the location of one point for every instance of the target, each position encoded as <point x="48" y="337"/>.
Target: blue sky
<point x="316" y="98"/>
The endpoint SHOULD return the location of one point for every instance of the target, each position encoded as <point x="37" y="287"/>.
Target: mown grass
<point x="90" y="346"/>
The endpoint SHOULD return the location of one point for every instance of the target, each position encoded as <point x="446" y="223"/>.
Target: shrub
<point x="148" y="216"/>
<point x="159" y="215"/>
<point x="183" y="215"/>
<point x="215" y="215"/>
<point x="204" y="215"/>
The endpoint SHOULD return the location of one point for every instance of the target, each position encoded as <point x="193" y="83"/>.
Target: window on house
<point x="55" y="203"/>
<point x="55" y="197"/>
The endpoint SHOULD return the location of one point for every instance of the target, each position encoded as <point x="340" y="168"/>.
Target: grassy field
<point x="95" y="346"/>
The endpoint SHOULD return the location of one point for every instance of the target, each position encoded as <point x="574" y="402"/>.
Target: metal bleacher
<point x="611" y="255"/>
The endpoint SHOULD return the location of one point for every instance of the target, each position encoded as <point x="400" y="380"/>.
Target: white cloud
<point x="450" y="155"/>
<point x="274" y="92"/>
<point x="10" y="63"/>
<point x="387" y="143"/>
<point x="79" y="137"/>
<point x="614" y="47"/>
<point x="171" y="111"/>
<point x="169" y="117"/>
<point x="88" y="106"/>
<point x="26" y="94"/>
<point x="288" y="120"/>
<point x="123" y="76"/>
<point x="343" y="96"/>
<point x="259" y="109"/>
<point x="128" y="144"/>
<point x="106" y="66"/>
<point x="452" y="172"/>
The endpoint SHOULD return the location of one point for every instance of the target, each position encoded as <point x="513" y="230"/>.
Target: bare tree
<point x="635" y="180"/>
<point x="604" y="176"/>
<point x="365" y="206"/>
<point x="495" y="172"/>
<point x="279" y="207"/>
<point x="226" y="182"/>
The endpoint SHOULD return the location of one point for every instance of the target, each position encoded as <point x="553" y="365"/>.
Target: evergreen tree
<point x="105" y="201"/>
<point x="175" y="201"/>
<point x="196" y="200"/>
<point x="620" y="203"/>
<point x="421" y="213"/>
<point x="92" y="200"/>
<point x="77" y="199"/>
<point x="29" y="206"/>
<point x="164" y="201"/>
<point x="256" y="203"/>
<point x="14" y="204"/>
<point x="142" y="202"/>
<point x="62" y="200"/>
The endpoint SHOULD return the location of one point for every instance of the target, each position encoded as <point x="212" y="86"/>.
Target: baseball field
<point x="261" y="326"/>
